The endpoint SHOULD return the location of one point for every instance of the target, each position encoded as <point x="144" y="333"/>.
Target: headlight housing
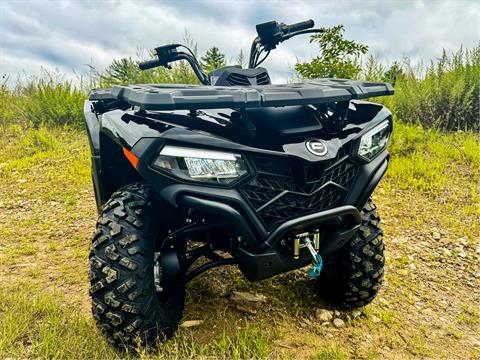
<point x="374" y="141"/>
<point x="208" y="166"/>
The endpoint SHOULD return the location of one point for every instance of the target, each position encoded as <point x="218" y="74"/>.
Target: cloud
<point x="69" y="34"/>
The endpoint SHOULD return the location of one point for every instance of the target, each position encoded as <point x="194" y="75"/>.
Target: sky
<point x="68" y="35"/>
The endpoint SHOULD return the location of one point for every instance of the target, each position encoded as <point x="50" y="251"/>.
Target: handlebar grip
<point x="149" y="64"/>
<point x="301" y="26"/>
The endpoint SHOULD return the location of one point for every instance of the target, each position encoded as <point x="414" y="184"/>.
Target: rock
<point x="338" y="323"/>
<point x="336" y="313"/>
<point x="323" y="315"/>
<point x="412" y="267"/>
<point x="436" y="236"/>
<point x="326" y="323"/>
<point x="375" y="319"/>
<point x="191" y="323"/>
<point x="246" y="309"/>
<point x="356" y="313"/>
<point x="447" y="252"/>
<point x="246" y="297"/>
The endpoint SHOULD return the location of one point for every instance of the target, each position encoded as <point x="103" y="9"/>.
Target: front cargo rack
<point x="190" y="97"/>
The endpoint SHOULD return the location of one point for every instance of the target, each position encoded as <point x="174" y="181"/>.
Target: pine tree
<point x="213" y="59"/>
<point x="241" y="60"/>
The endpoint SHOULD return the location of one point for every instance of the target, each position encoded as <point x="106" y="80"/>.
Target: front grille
<point x="238" y="80"/>
<point x="284" y="188"/>
<point x="263" y="79"/>
<point x="242" y="80"/>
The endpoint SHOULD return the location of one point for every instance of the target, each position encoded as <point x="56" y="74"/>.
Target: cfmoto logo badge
<point x="316" y="147"/>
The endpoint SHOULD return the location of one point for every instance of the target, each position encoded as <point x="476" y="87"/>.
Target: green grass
<point x="35" y="323"/>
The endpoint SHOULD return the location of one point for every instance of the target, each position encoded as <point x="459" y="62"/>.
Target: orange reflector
<point x="132" y="158"/>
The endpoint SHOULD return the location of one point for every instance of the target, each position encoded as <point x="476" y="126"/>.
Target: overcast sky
<point x="66" y="35"/>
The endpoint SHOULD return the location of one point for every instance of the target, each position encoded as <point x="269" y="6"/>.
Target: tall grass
<point x="444" y="95"/>
<point x="48" y="101"/>
<point x="447" y="97"/>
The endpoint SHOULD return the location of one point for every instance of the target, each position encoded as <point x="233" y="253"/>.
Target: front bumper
<point x="268" y="259"/>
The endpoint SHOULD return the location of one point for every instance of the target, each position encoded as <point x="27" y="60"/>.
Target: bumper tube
<point x="215" y="207"/>
<point x="260" y="258"/>
<point x="305" y="222"/>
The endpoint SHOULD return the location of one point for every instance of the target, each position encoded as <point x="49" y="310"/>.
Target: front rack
<point x="192" y="97"/>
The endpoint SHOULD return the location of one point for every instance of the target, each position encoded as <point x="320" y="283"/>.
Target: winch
<point x="304" y="240"/>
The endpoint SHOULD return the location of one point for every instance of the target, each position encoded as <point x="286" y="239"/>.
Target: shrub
<point x="46" y="101"/>
<point x="446" y="97"/>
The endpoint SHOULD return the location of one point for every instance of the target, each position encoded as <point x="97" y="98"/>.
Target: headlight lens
<point x="200" y="165"/>
<point x="374" y="141"/>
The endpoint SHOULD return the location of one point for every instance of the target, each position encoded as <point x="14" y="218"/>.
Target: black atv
<point x="237" y="171"/>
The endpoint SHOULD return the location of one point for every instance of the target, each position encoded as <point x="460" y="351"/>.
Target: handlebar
<point x="303" y="25"/>
<point x="149" y="64"/>
<point x="272" y="33"/>
<point x="169" y="53"/>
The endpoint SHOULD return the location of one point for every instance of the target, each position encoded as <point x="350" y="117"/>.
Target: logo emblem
<point x="316" y="147"/>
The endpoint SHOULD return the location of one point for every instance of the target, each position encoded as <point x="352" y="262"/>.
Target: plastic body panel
<point x="177" y="97"/>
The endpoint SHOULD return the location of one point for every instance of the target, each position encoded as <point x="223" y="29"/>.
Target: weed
<point x="330" y="353"/>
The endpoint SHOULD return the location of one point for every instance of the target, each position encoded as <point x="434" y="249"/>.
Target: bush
<point x="446" y="97"/>
<point x="46" y="101"/>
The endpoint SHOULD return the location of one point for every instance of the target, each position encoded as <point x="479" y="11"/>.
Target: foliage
<point x="373" y="70"/>
<point x="445" y="95"/>
<point x="213" y="59"/>
<point x="338" y="57"/>
<point x="126" y="71"/>
<point x="241" y="59"/>
<point x="394" y="73"/>
<point x="48" y="100"/>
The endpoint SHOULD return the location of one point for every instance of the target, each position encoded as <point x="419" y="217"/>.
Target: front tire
<point x="352" y="276"/>
<point x="125" y="303"/>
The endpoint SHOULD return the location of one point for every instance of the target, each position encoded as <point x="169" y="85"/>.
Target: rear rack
<point x="191" y="97"/>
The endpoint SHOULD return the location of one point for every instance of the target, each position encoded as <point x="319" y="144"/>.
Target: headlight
<point x="200" y="165"/>
<point x="374" y="141"/>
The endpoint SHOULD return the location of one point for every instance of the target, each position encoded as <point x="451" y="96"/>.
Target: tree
<point x="213" y="59"/>
<point x="373" y="70"/>
<point x="241" y="59"/>
<point x="394" y="73"/>
<point x="338" y="57"/>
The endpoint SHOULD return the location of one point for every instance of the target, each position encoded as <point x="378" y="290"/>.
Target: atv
<point x="235" y="171"/>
